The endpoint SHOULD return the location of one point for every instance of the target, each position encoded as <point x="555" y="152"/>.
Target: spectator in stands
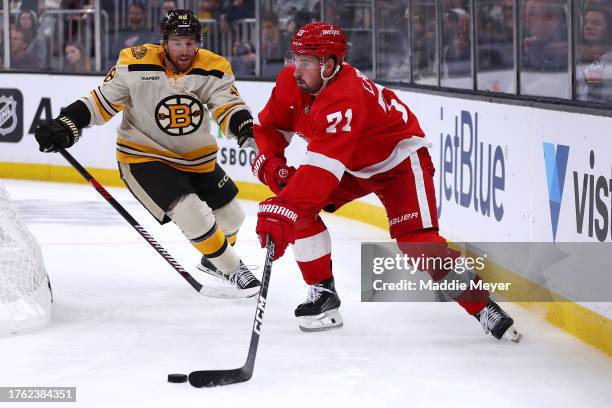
<point x="27" y="22"/>
<point x="329" y="12"/>
<point x="596" y="33"/>
<point x="300" y="18"/>
<point x="20" y="58"/>
<point x="137" y="33"/>
<point x="507" y="21"/>
<point x="46" y="23"/>
<point x="77" y="59"/>
<point x="457" y="50"/>
<point x="545" y="47"/>
<point x="166" y="6"/>
<point x="29" y="5"/>
<point x="273" y="45"/>
<point x="209" y="10"/>
<point x="287" y="8"/>
<point x="594" y="72"/>
<point x="454" y="4"/>
<point x="238" y="10"/>
<point x="424" y="42"/>
<point x="243" y="59"/>
<point x="72" y="21"/>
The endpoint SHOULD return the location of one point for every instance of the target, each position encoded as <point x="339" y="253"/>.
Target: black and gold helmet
<point x="180" y="22"/>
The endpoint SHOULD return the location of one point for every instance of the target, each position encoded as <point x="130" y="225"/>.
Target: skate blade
<point x="229" y="292"/>
<point x="512" y="334"/>
<point x="224" y="290"/>
<point x="331" y="319"/>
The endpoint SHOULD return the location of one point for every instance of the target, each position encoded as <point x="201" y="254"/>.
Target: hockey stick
<point x="126" y="215"/>
<point x="215" y="378"/>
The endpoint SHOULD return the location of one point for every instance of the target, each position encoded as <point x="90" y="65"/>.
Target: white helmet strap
<point x="324" y="78"/>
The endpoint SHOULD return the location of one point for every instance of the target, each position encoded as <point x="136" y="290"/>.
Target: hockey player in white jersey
<point x="165" y="151"/>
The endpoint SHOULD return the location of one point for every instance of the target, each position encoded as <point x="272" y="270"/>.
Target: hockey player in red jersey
<point x="361" y="139"/>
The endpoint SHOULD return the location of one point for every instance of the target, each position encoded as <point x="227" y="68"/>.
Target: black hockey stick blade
<point x="215" y="378"/>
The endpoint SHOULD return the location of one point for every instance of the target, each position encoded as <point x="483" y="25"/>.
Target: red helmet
<point x="320" y="39"/>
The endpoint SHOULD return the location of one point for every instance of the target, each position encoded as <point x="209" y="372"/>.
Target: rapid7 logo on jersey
<point x="386" y="100"/>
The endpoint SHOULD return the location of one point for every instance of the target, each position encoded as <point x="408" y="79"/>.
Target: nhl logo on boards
<point x="139" y="52"/>
<point x="179" y="115"/>
<point x="11" y="115"/>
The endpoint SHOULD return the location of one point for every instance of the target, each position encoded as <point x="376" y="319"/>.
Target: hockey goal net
<point x="25" y="292"/>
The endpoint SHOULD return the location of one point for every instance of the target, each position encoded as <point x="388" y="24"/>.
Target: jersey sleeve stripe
<point x="101" y="109"/>
<point x="109" y="104"/>
<point x="334" y="166"/>
<point x="402" y="151"/>
<point x="185" y="162"/>
<point x="228" y="115"/>
<point x="190" y="155"/>
<point x="223" y="110"/>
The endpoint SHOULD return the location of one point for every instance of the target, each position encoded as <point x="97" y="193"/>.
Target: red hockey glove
<point x="273" y="172"/>
<point x="278" y="219"/>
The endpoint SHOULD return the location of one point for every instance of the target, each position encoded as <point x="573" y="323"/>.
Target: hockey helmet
<point x="181" y="22"/>
<point x="320" y="39"/>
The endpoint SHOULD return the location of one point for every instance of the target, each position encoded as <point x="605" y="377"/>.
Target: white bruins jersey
<point x="166" y="116"/>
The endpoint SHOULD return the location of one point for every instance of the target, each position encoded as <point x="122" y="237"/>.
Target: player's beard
<point x="303" y="85"/>
<point x="181" y="65"/>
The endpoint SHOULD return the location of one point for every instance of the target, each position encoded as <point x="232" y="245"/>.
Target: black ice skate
<point x="497" y="323"/>
<point x="240" y="284"/>
<point x="320" y="311"/>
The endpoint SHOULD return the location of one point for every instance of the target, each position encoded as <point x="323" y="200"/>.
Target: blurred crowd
<point x="542" y="37"/>
<point x="397" y="42"/>
<point x="60" y="34"/>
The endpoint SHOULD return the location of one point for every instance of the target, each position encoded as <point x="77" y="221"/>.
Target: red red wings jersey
<point x="353" y="125"/>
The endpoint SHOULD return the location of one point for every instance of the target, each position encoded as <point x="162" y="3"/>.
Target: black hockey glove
<point x="58" y="133"/>
<point x="245" y="136"/>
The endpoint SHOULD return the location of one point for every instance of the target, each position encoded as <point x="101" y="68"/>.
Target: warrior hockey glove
<point x="245" y="136"/>
<point x="54" y="134"/>
<point x="278" y="219"/>
<point x="273" y="172"/>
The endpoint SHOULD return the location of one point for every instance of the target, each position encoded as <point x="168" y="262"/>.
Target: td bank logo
<point x="555" y="158"/>
<point x="11" y="115"/>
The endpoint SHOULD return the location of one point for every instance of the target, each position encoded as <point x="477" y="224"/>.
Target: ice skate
<point x="320" y="310"/>
<point x="498" y="323"/>
<point x="240" y="284"/>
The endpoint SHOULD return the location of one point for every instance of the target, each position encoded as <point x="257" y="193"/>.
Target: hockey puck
<point x="177" y="378"/>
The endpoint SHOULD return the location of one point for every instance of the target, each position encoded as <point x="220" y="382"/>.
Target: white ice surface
<point x="123" y="319"/>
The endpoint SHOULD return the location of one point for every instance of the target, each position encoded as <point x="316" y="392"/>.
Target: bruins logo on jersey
<point x="179" y="115"/>
<point x="139" y="52"/>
